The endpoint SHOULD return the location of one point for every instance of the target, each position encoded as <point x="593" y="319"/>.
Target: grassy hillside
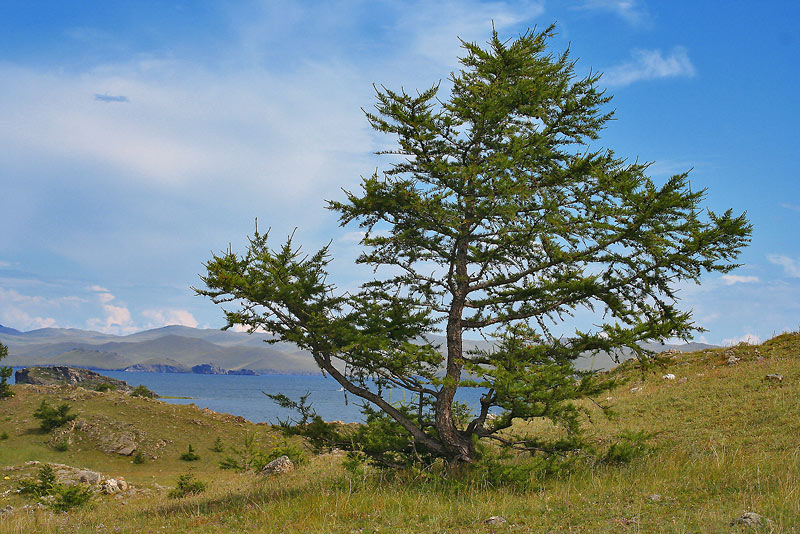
<point x="723" y="440"/>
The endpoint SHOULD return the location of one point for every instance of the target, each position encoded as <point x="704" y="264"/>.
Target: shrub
<point x="190" y="455"/>
<point x="53" y="417"/>
<point x="249" y="458"/>
<point x="295" y="453"/>
<point x="631" y="445"/>
<point x="217" y="447"/>
<point x="5" y="374"/>
<point x="142" y="391"/>
<point x="68" y="497"/>
<point x="138" y="458"/>
<point x="3" y="435"/>
<point x="105" y="386"/>
<point x="187" y="485"/>
<point x="41" y="486"/>
<point x="61" y="445"/>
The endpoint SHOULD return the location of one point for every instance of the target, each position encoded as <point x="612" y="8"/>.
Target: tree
<point x="5" y="374"/>
<point x="495" y="215"/>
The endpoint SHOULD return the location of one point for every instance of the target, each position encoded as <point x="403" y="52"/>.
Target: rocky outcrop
<point x="247" y="372"/>
<point x="279" y="465"/>
<point x="155" y="368"/>
<point x="74" y="376"/>
<point x="208" y="369"/>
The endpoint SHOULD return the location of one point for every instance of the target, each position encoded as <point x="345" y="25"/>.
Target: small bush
<point x="248" y="458"/>
<point x="631" y="445"/>
<point x="138" y="458"/>
<point x="190" y="455"/>
<point x="53" y="417"/>
<point x="68" y="497"/>
<point x="3" y="436"/>
<point x="295" y="453"/>
<point x="187" y="485"/>
<point x="62" y="445"/>
<point x="41" y="486"/>
<point x="105" y="386"/>
<point x="142" y="391"/>
<point x="217" y="447"/>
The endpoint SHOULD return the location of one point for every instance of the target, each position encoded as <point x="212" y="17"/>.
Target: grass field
<point x="723" y="440"/>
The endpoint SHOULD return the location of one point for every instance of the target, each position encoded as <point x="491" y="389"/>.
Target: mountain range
<point x="186" y="349"/>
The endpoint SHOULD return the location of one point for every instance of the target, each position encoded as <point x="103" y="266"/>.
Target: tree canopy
<point x="497" y="214"/>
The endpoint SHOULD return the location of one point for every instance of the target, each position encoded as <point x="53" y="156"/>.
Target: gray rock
<point x="751" y="519"/>
<point x="89" y="477"/>
<point x="279" y="465"/>
<point x="655" y="497"/>
<point x="732" y="360"/>
<point x="774" y="378"/>
<point x="495" y="520"/>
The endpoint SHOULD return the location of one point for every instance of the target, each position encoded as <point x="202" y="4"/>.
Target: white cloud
<point x="793" y="207"/>
<point x="731" y="279"/>
<point x="791" y="267"/>
<point x="650" y="65"/>
<point x="168" y="317"/>
<point x="115" y="320"/>
<point x="631" y="11"/>
<point x="436" y="26"/>
<point x="352" y="237"/>
<point x="750" y="339"/>
<point x="4" y="264"/>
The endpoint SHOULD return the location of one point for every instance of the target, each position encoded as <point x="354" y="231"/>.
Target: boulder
<point x="279" y="465"/>
<point x="774" y="378"/>
<point x="495" y="520"/>
<point x="751" y="519"/>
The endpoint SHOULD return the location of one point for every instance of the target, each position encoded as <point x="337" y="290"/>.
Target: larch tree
<point x="497" y="216"/>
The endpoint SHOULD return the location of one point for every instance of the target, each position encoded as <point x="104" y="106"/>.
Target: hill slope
<point x="720" y="439"/>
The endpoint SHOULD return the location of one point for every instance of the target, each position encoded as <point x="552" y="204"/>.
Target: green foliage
<point x="41" y="486"/>
<point x="217" y="447"/>
<point x="497" y="213"/>
<point x="53" y="417"/>
<point x="61" y="445"/>
<point x="46" y="485"/>
<point x="190" y="455"/>
<point x="248" y="458"/>
<point x="187" y="484"/>
<point x="630" y="445"/>
<point x="295" y="453"/>
<point x="142" y="391"/>
<point x="5" y="374"/>
<point x="105" y="386"/>
<point x="139" y="458"/>
<point x="69" y="497"/>
<point x="3" y="435"/>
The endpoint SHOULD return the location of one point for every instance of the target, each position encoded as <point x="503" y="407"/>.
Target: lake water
<point x="243" y="395"/>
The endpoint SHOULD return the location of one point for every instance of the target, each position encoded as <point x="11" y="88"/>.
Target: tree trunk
<point x="458" y="445"/>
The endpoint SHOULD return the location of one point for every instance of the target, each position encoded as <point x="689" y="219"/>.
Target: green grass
<point x="723" y="441"/>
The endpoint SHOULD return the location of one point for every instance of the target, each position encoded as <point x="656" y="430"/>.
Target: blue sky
<point x="136" y="137"/>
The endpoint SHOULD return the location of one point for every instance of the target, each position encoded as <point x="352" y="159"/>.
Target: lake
<point x="243" y="395"/>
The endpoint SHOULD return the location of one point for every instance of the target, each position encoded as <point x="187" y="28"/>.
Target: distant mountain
<point x="182" y="349"/>
<point x="9" y="331"/>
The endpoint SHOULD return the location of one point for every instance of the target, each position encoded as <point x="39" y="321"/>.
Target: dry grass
<point x="725" y="441"/>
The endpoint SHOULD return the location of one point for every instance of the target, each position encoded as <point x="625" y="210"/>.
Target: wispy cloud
<point x="650" y="65"/>
<point x="793" y="207"/>
<point x="631" y="11"/>
<point x="158" y="318"/>
<point x="731" y="279"/>
<point x="791" y="267"/>
<point x="111" y="98"/>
